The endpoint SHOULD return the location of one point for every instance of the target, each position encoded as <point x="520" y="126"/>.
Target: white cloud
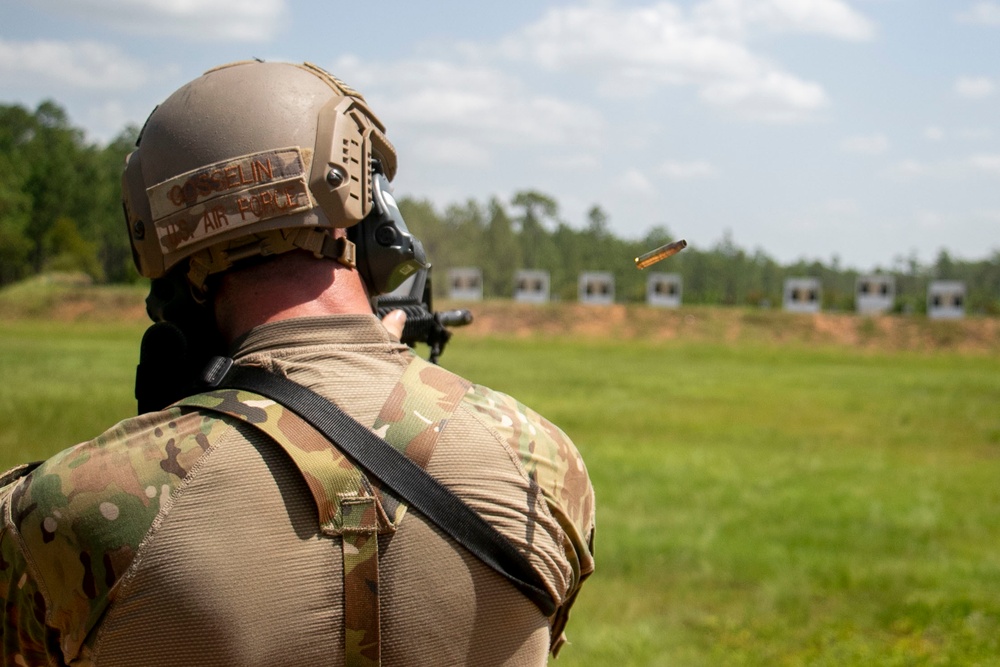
<point x="981" y="13"/>
<point x="987" y="163"/>
<point x="931" y="220"/>
<point x="655" y="44"/>
<point x="842" y="206"/>
<point x="952" y="168"/>
<point x="81" y="64"/>
<point x="974" y="87"/>
<point x="474" y="108"/>
<point x="933" y="133"/>
<point x="775" y="97"/>
<point x="637" y="50"/>
<point x="906" y="170"/>
<point x="633" y="181"/>
<point x="911" y="168"/>
<point x="451" y="151"/>
<point x="976" y="134"/>
<point x="686" y="170"/>
<point x="250" y="20"/>
<point x="874" y="144"/>
<point x="826" y="17"/>
<point x="993" y="215"/>
<point x="574" y="162"/>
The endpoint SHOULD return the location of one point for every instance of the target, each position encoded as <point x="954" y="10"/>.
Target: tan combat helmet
<point x="250" y="159"/>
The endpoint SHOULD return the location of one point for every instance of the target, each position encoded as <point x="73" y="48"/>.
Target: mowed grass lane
<point x="757" y="505"/>
<point x="776" y="505"/>
<point x="62" y="383"/>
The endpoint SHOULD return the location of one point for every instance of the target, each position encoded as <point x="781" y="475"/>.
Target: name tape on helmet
<point x="214" y="199"/>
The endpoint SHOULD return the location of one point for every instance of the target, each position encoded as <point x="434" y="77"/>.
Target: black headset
<point x="387" y="253"/>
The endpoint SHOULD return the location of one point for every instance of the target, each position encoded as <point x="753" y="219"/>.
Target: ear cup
<point x="387" y="254"/>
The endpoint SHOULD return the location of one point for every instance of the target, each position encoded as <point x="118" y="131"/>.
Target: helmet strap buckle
<point x="323" y="244"/>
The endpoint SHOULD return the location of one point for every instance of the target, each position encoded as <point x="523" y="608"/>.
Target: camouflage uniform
<point x="187" y="537"/>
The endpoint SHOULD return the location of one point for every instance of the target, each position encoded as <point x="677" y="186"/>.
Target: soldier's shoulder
<point x="521" y="426"/>
<point x="548" y="455"/>
<point x="124" y="472"/>
<point x="518" y="424"/>
<point x="553" y="462"/>
<point x="80" y="515"/>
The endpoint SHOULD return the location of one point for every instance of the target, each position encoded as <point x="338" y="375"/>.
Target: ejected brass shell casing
<point x="661" y="253"/>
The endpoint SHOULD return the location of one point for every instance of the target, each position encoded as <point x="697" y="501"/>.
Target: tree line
<point x="60" y="210"/>
<point x="60" y="202"/>
<point x="500" y="238"/>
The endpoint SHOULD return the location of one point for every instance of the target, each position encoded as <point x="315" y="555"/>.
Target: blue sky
<point x="862" y="129"/>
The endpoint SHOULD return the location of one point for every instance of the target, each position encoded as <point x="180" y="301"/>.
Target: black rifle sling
<point x="410" y="482"/>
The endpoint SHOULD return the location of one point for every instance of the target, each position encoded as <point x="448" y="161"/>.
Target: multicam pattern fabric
<point x="72" y="527"/>
<point x="329" y="475"/>
<point x="556" y="466"/>
<point x="411" y="420"/>
<point x="418" y="410"/>
<point x="346" y="502"/>
<point x="546" y="452"/>
<point x="362" y="631"/>
<point x="550" y="458"/>
<point x="416" y="413"/>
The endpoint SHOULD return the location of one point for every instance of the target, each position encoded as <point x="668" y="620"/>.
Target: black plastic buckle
<point x="216" y="370"/>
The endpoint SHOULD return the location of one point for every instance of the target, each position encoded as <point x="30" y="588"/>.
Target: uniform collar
<point x="337" y="330"/>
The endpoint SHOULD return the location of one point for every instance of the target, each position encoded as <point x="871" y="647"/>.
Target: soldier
<point x="226" y="528"/>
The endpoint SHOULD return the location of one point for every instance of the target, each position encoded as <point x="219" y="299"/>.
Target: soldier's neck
<point x="296" y="285"/>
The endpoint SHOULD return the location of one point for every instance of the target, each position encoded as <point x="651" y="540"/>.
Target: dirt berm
<point x="67" y="300"/>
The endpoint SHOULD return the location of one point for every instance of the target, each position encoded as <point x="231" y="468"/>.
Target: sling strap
<point x="396" y="468"/>
<point x="348" y="507"/>
<point x="414" y="484"/>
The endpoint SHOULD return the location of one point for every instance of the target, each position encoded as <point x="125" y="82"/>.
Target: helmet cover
<point x="251" y="158"/>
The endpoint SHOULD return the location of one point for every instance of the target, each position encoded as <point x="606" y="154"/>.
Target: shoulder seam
<point x="121" y="586"/>
<point x="11" y="528"/>
<point x="18" y="472"/>
<point x="464" y="408"/>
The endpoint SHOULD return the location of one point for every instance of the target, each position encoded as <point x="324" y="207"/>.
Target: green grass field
<point x="757" y="504"/>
